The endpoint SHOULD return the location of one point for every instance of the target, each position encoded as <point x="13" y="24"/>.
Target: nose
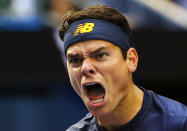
<point x="87" y="68"/>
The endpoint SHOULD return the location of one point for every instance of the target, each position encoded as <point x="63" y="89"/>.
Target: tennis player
<point x="100" y="60"/>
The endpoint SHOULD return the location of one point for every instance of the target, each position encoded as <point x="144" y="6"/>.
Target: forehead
<point x="89" y="46"/>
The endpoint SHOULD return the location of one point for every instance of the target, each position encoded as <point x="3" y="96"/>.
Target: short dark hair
<point x="101" y="12"/>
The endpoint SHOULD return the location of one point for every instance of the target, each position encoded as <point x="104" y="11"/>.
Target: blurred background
<point x="35" y="93"/>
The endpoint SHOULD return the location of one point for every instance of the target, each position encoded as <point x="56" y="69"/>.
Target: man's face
<point x="99" y="75"/>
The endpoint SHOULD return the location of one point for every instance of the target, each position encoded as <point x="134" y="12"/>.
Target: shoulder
<point x="84" y="124"/>
<point x="164" y="104"/>
<point x="171" y="113"/>
<point x="169" y="106"/>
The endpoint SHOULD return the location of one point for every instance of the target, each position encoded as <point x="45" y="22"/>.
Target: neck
<point x="126" y="110"/>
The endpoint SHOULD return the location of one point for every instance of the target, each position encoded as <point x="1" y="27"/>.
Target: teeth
<point x="97" y="101"/>
<point x="90" y="84"/>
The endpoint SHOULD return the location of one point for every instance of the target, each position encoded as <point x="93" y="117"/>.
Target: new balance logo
<point x="84" y="28"/>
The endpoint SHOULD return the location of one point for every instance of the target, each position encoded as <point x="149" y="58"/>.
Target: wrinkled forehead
<point x="89" y="46"/>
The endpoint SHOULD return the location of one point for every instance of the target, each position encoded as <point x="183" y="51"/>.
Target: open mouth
<point x="95" y="92"/>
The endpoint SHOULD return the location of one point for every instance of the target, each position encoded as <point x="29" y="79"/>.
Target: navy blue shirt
<point x="158" y="113"/>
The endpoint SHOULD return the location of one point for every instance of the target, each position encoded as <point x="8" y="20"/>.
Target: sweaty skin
<point x="98" y="61"/>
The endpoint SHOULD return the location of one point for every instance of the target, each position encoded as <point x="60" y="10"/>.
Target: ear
<point x="132" y="60"/>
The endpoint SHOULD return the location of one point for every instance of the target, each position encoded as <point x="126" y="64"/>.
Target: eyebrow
<point x="98" y="50"/>
<point x="73" y="56"/>
<point x="78" y="55"/>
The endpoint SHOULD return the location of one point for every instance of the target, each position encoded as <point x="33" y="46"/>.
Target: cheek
<point x="120" y="73"/>
<point x="75" y="82"/>
<point x="116" y="74"/>
<point x="115" y="68"/>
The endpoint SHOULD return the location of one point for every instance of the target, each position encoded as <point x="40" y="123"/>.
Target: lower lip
<point x="96" y="105"/>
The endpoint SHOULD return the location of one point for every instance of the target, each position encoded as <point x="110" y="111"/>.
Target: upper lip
<point x="90" y="83"/>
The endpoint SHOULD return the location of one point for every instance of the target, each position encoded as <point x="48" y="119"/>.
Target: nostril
<point x="87" y="73"/>
<point x="91" y="71"/>
<point x="84" y="73"/>
<point x="87" y="68"/>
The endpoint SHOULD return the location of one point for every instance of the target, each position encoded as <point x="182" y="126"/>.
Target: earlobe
<point x="132" y="59"/>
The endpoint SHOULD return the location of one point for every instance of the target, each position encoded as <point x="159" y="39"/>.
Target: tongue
<point x="95" y="97"/>
<point x="95" y="92"/>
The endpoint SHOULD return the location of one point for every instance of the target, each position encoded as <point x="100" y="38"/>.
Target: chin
<point x="99" y="112"/>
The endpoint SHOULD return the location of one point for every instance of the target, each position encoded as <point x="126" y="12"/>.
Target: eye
<point x="75" y="60"/>
<point x="100" y="55"/>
